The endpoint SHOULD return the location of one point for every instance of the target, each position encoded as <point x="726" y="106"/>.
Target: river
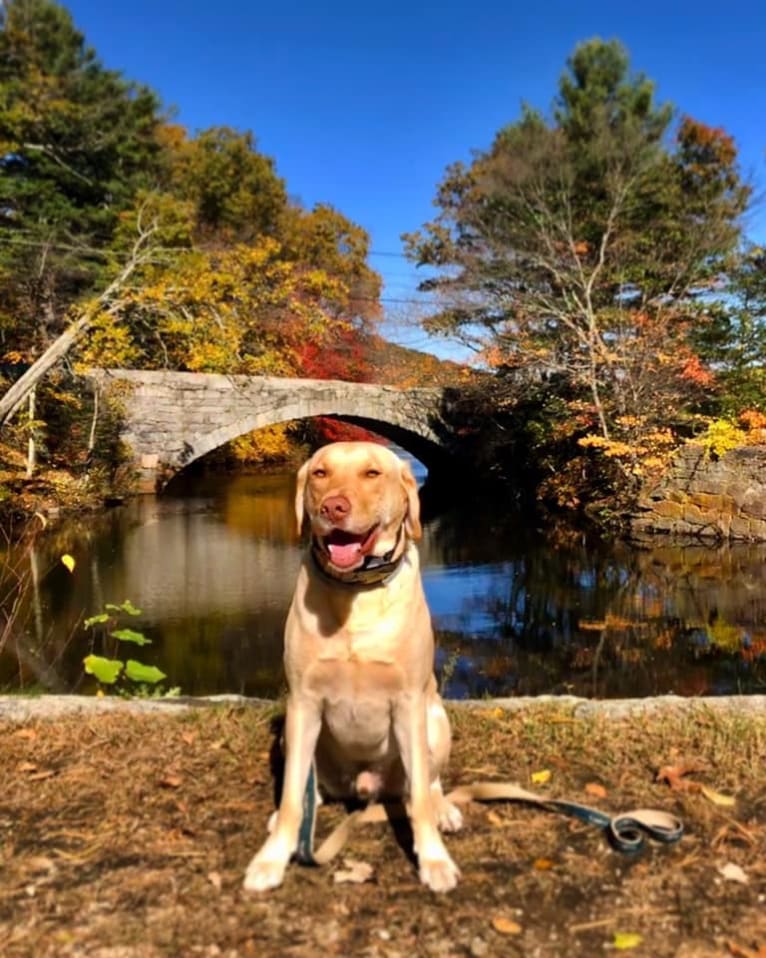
<point x="518" y="609"/>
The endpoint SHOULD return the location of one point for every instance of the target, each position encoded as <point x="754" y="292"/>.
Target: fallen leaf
<point x="506" y="926"/>
<point x="68" y="561"/>
<point x="717" y="798"/>
<point x="353" y="872"/>
<point x="541" y="777"/>
<point x="26" y="767"/>
<point x="29" y="733"/>
<point x="495" y="713"/>
<point x="171" y="781"/>
<point x="623" y="940"/>
<point x="595" y="790"/>
<point x="732" y="872"/>
<point x="740" y="952"/>
<point x="543" y="864"/>
<point x="494" y="819"/>
<point x="189" y="737"/>
<point x="215" y="880"/>
<point x="673" y="775"/>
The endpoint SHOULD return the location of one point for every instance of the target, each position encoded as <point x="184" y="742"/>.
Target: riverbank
<point x="126" y="828"/>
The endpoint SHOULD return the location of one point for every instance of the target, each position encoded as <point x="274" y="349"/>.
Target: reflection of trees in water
<point x="28" y="657"/>
<point x="212" y="587"/>
<point x="574" y="614"/>
<point x="528" y="610"/>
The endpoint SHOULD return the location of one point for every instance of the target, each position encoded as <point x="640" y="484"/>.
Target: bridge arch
<point x="171" y="419"/>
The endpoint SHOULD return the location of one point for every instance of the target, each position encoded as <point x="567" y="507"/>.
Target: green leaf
<point x="126" y="606"/>
<point x="128" y="635"/>
<point x="96" y="620"/>
<point x="68" y="561"/>
<point x="138" y="672"/>
<point x="107" y="671"/>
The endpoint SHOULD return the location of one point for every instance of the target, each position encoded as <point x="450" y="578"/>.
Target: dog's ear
<point x="412" y="520"/>
<point x="300" y="494"/>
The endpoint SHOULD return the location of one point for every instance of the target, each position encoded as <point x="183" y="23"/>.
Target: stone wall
<point x="708" y="497"/>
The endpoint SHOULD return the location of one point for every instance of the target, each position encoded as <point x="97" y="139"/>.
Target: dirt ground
<point x="126" y="836"/>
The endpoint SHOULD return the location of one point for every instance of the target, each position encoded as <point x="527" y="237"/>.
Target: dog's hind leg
<point x="449" y="818"/>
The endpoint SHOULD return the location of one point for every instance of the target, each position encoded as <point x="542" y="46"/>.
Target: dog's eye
<point x="372" y="473"/>
<point x="319" y="473"/>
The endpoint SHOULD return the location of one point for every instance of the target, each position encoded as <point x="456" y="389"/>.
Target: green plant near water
<point x="130" y="676"/>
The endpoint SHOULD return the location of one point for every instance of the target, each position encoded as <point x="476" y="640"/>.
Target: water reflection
<point x="518" y="610"/>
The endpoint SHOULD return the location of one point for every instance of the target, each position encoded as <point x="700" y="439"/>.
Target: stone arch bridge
<point x="172" y="418"/>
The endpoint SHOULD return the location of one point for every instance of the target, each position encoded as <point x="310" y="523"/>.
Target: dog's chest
<point x="368" y="627"/>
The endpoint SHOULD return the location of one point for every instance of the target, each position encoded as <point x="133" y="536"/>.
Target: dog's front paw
<point x="449" y="817"/>
<point x="263" y="874"/>
<point x="440" y="874"/>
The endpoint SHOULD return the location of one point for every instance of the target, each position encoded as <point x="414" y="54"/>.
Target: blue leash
<point x="304" y="853"/>
<point x="626" y="832"/>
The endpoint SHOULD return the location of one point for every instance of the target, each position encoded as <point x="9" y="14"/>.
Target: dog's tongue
<point x="345" y="554"/>
<point x="345" y="548"/>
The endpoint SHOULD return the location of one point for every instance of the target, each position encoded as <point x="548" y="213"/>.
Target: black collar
<point x="376" y="570"/>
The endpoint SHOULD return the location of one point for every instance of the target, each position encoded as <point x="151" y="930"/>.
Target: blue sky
<point x="363" y="105"/>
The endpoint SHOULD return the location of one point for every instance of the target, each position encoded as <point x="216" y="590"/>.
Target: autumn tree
<point x="76" y="141"/>
<point x="238" y="199"/>
<point x="125" y="241"/>
<point x="242" y="310"/>
<point x="734" y="341"/>
<point x="235" y="191"/>
<point x="577" y="250"/>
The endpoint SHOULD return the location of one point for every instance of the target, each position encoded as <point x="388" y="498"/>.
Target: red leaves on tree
<point x="344" y="357"/>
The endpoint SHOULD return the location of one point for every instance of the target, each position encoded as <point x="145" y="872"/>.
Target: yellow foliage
<point x="108" y="344"/>
<point x="720" y="436"/>
<point x="244" y="309"/>
<point x="611" y="448"/>
<point x="724" y="636"/>
<point x="646" y="453"/>
<point x="270" y="444"/>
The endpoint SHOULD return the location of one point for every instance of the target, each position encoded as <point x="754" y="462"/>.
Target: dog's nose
<point x="335" y="508"/>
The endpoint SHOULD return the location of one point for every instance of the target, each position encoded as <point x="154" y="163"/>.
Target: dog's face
<point x="357" y="496"/>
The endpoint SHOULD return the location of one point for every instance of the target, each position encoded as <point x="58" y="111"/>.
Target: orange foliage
<point x="753" y="419"/>
<point x="711" y="144"/>
<point x="693" y="371"/>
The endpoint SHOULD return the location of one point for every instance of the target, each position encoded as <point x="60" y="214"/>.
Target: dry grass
<point x="126" y="836"/>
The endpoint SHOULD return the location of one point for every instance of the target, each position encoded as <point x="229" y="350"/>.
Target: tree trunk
<point x="31" y="450"/>
<point x="16" y="395"/>
<point x="56" y="351"/>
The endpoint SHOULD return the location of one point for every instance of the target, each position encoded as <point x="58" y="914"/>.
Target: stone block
<point x="754" y="503"/>
<point x="668" y="509"/>
<point x="740" y="528"/>
<point x="707" y="501"/>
